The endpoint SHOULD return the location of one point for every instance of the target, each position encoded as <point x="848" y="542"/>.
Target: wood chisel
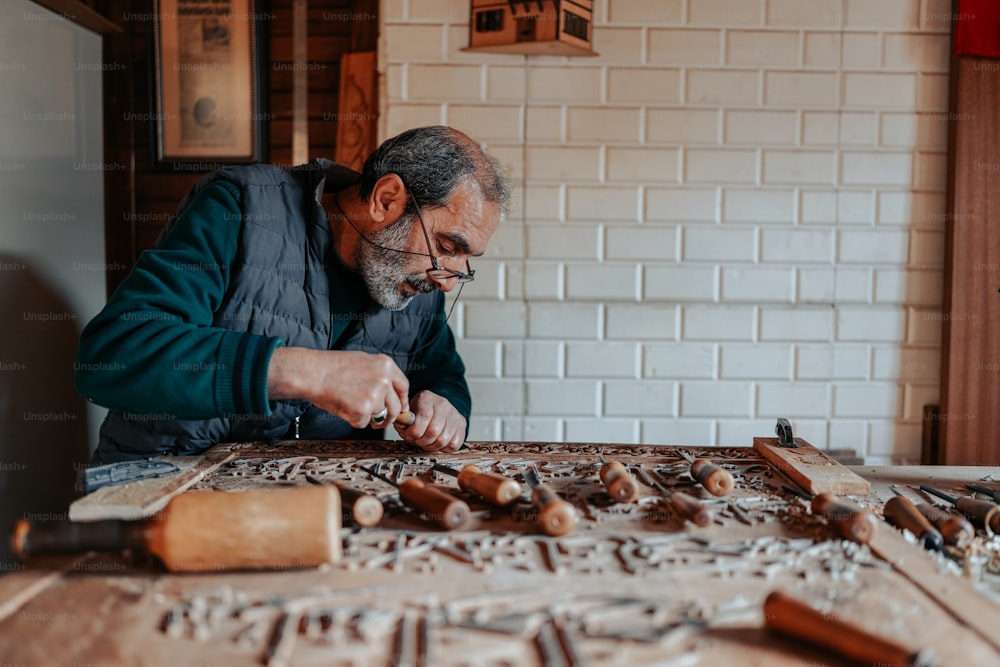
<point x="555" y="516"/>
<point x="983" y="513"/>
<point x="359" y="507"/>
<point x="954" y="528"/>
<point x="684" y="505"/>
<point x="716" y="481"/>
<point x="793" y="618"/>
<point x="902" y="513"/>
<point x="620" y="484"/>
<point x="493" y="488"/>
<point x="437" y="506"/>
<point x="851" y="522"/>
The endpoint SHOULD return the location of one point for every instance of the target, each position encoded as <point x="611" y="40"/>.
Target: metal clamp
<point x="784" y="431"/>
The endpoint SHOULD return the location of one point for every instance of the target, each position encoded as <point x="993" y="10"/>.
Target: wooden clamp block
<point x="144" y="498"/>
<point x="811" y="469"/>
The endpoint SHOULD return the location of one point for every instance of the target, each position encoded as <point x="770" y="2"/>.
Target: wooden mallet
<point x="200" y="531"/>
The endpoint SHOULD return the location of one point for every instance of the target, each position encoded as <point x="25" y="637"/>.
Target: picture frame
<point x="207" y="95"/>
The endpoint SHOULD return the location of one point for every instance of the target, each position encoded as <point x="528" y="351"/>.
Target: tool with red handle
<point x="556" y="517"/>
<point x="685" y="506"/>
<point x="619" y="482"/>
<point x="902" y="513"/>
<point x="793" y="618"/>
<point x="437" y="506"/>
<point x="716" y="481"/>
<point x="849" y="520"/>
<point x="982" y="513"/>
<point x="493" y="488"/>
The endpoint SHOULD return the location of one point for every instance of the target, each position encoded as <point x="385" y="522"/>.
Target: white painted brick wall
<point x="735" y="212"/>
<point x="641" y="321"/>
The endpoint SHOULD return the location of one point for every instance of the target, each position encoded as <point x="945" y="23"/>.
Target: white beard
<point x="382" y="269"/>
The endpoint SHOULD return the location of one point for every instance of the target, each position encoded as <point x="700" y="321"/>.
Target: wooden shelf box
<point x="535" y="27"/>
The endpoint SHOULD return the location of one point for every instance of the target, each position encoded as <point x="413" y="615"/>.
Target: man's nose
<point x="445" y="284"/>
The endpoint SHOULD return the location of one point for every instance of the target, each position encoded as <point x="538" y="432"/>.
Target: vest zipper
<point x="297" y="427"/>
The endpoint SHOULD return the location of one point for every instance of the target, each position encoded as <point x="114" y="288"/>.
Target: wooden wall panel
<point x="141" y="199"/>
<point x="970" y="372"/>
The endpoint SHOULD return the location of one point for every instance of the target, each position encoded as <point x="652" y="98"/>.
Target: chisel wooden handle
<point x="852" y="522"/>
<point x="955" y="530"/>
<point x="716" y="481"/>
<point x="620" y="484"/>
<point x="788" y="616"/>
<point x="690" y="509"/>
<point x="495" y="489"/>
<point x="900" y="512"/>
<point x="362" y="508"/>
<point x="211" y="531"/>
<point x="555" y="516"/>
<point x="983" y="513"/>
<point x="405" y="418"/>
<point x="439" y="507"/>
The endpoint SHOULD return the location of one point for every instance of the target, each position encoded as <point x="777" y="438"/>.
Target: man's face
<point x="458" y="230"/>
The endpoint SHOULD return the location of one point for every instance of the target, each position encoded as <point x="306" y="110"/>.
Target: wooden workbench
<point x="632" y="585"/>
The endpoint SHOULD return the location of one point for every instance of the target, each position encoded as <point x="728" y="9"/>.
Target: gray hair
<point x="433" y="161"/>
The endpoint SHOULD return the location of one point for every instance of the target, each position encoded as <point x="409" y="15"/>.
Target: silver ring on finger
<point x="379" y="417"/>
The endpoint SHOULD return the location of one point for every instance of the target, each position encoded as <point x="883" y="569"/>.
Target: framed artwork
<point x="207" y="93"/>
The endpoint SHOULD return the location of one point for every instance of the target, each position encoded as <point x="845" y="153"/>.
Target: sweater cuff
<point x="241" y="379"/>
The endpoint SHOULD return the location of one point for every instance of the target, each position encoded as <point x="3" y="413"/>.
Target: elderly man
<point x="263" y="315"/>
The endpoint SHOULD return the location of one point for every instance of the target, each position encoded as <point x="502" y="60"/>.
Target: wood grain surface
<point x="633" y="584"/>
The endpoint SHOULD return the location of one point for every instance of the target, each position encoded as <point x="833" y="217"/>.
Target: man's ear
<point x="388" y="200"/>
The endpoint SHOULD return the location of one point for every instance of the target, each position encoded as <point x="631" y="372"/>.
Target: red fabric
<point x="977" y="28"/>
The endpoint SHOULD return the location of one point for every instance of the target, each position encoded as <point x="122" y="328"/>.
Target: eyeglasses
<point x="438" y="272"/>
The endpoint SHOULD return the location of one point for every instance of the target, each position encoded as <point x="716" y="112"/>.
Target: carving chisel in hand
<point x="555" y="516"/>
<point x="493" y="488"/>
<point x="716" y="481"/>
<point x="439" y="507"/>
<point x="404" y="418"/>
<point x="849" y="520"/>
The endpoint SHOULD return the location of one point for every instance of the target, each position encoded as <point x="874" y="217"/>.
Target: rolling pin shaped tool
<point x="439" y="507"/>
<point x="849" y="520"/>
<point x="793" y="618"/>
<point x="620" y="484"/>
<point x="716" y="481"/>
<point x="902" y="513"/>
<point x="983" y="513"/>
<point x="359" y="507"/>
<point x="493" y="488"/>
<point x="201" y="531"/>
<point x="555" y="516"/>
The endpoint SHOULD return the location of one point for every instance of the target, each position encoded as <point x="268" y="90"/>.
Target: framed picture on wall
<point x="207" y="93"/>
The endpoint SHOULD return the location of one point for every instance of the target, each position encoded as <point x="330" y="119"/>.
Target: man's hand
<point x="437" y="425"/>
<point x="352" y="385"/>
